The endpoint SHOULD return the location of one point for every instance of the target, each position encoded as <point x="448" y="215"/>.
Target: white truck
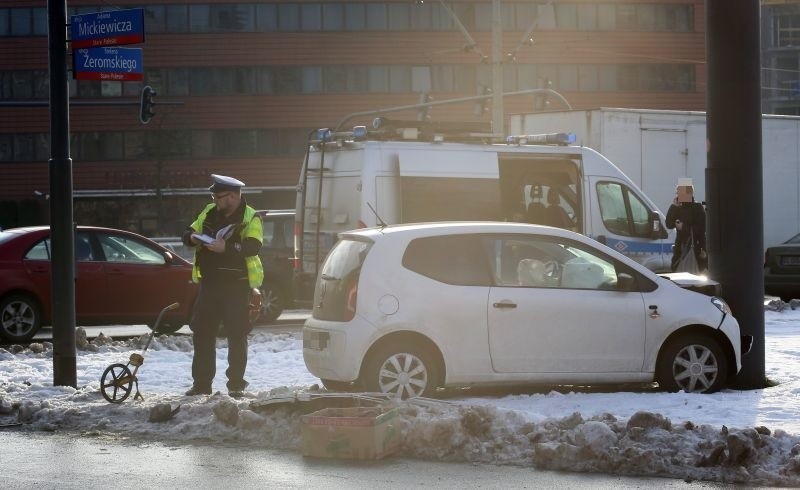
<point x="403" y="174"/>
<point x="656" y="147"/>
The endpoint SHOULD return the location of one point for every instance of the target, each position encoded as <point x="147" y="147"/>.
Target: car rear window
<point x="337" y="285"/>
<point x="452" y="259"/>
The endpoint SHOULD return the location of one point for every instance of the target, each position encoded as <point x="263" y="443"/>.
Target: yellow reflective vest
<point x="252" y="229"/>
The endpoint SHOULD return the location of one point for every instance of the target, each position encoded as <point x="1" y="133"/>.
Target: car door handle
<point x="114" y="270"/>
<point x="505" y="304"/>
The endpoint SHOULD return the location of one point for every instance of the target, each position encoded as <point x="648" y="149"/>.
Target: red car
<point x="120" y="278"/>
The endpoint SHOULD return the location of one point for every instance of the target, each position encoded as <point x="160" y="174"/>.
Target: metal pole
<point x="734" y="175"/>
<point x="61" y="227"/>
<point x="498" y="117"/>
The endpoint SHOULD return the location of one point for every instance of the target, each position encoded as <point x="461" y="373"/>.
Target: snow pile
<point x="647" y="444"/>
<point x="733" y="436"/>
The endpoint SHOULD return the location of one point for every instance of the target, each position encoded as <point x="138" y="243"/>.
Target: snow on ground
<point x="732" y="436"/>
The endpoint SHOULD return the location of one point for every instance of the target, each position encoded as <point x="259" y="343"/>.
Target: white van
<point x="406" y="175"/>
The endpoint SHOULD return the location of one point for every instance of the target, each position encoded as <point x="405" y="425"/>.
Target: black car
<point x="277" y="255"/>
<point x="782" y="269"/>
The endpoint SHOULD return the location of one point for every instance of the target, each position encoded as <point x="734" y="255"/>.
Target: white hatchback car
<point x="409" y="308"/>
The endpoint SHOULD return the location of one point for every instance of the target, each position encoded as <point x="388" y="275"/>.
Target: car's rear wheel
<point x="694" y="364"/>
<point x="272" y="302"/>
<point x="405" y="370"/>
<point x="20" y="318"/>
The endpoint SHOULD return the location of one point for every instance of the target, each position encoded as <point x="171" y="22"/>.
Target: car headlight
<point x="721" y="304"/>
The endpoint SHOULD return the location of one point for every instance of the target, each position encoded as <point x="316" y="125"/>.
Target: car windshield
<point x="794" y="239"/>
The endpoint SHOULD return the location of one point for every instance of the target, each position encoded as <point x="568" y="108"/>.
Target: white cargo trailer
<point x="654" y="148"/>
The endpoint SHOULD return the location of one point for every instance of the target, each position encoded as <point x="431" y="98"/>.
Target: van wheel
<point x="272" y="302"/>
<point x="692" y="363"/>
<point x="20" y="318"/>
<point x="402" y="369"/>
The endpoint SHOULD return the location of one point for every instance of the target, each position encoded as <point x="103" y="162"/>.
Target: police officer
<point x="227" y="267"/>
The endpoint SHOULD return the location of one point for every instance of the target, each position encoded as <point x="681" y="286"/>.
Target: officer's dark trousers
<point x="223" y="302"/>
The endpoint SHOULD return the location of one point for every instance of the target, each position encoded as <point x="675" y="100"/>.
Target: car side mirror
<point x="657" y="230"/>
<point x="168" y="257"/>
<point x="625" y="282"/>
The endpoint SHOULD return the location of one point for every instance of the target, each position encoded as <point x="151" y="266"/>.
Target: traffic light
<point x="424" y="113"/>
<point x="146" y="103"/>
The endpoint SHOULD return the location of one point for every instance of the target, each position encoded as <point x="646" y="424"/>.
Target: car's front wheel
<point x="694" y="364"/>
<point x="405" y="370"/>
<point x="20" y="318"/>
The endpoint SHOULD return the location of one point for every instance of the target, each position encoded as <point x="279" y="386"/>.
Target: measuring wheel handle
<point x="116" y="383"/>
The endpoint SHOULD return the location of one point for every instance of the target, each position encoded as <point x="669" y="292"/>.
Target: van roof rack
<point x="560" y="139"/>
<point x="433" y="131"/>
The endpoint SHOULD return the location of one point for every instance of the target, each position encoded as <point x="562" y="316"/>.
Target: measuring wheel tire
<point x="116" y="383"/>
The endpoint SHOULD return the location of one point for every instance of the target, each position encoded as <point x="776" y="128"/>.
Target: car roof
<point x="415" y="230"/>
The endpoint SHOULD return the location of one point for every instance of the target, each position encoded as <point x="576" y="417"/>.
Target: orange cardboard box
<point x="353" y="433"/>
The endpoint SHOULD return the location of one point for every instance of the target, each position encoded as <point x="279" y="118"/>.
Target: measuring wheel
<point x="116" y="383"/>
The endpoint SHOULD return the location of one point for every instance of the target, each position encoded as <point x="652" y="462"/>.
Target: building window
<point x="288" y="17"/>
<point x="786" y="28"/>
<point x="234" y="142"/>
<point x="355" y="17"/>
<point x="312" y="79"/>
<point x="288" y="80"/>
<point x="267" y="17"/>
<point x="332" y="17"/>
<point x="399" y="78"/>
<point x="6" y="148"/>
<point x="177" y="18"/>
<point x="378" y="78"/>
<point x="40" y="22"/>
<point x="21" y="22"/>
<point x="4" y="28"/>
<point x="376" y="17"/>
<point x="311" y="17"/>
<point x="399" y="16"/>
<point x="335" y="78"/>
<point x="232" y="18"/>
<point x="155" y="20"/>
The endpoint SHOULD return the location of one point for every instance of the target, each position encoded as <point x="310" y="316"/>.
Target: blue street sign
<point x="112" y="28"/>
<point x="118" y="64"/>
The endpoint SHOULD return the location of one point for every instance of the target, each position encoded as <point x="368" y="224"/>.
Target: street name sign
<point x="115" y="64"/>
<point x="112" y="28"/>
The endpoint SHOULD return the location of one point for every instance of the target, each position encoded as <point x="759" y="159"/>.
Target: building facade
<point x="780" y="57"/>
<point x="242" y="83"/>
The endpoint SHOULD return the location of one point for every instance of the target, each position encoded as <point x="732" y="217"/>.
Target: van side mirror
<point x="657" y="230"/>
